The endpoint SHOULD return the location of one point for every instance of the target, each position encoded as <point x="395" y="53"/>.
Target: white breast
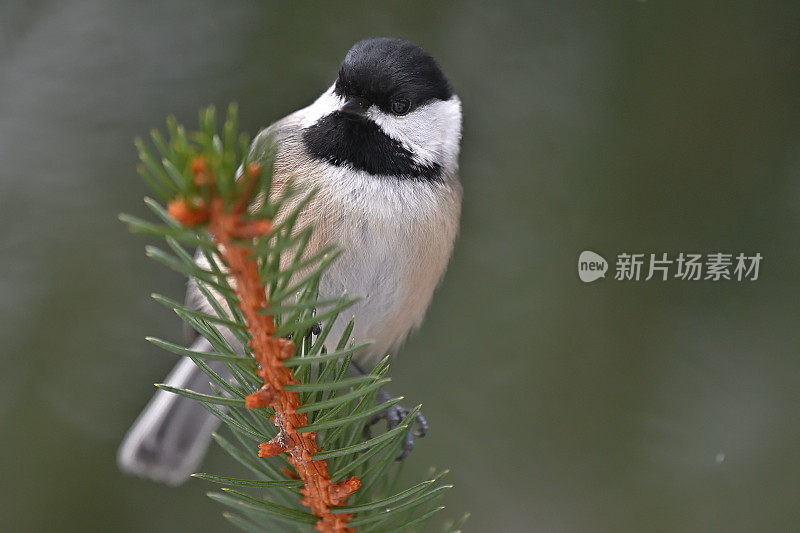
<point x="397" y="237"/>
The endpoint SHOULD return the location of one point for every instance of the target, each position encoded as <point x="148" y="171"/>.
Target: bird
<point x="381" y="147"/>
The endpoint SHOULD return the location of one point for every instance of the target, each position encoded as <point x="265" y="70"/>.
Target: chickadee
<point x="381" y="146"/>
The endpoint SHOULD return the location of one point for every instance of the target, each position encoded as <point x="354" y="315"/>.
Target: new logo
<point x="591" y="266"/>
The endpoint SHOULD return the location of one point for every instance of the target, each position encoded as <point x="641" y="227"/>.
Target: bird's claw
<point x="394" y="415"/>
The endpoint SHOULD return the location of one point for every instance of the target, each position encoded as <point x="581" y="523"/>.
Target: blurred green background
<point x="617" y="127"/>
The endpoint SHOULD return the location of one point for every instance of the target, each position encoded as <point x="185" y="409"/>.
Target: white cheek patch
<point x="326" y="104"/>
<point x="432" y="133"/>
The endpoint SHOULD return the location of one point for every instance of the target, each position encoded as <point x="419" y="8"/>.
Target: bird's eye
<point x="401" y="106"/>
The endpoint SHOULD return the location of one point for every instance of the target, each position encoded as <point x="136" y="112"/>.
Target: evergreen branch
<point x="399" y="430"/>
<point x="283" y="514"/>
<point x="227" y="225"/>
<point x="382" y="504"/>
<point x="223" y="480"/>
<point x="213" y="356"/>
<point x="260" y="468"/>
<point x="243" y="524"/>
<point x="216" y="400"/>
<point x="408" y="525"/>
<point x="341" y="422"/>
<point x="325" y="357"/>
<point x="316" y="406"/>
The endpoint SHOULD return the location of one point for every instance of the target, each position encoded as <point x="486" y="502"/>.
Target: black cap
<point x="384" y="69"/>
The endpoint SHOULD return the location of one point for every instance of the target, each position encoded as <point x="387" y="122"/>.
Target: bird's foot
<point x="313" y="331"/>
<point x="393" y="416"/>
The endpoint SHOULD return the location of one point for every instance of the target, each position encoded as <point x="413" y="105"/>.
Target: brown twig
<point x="320" y="493"/>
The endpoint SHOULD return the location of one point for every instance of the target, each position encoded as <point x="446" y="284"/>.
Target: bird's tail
<point x="171" y="436"/>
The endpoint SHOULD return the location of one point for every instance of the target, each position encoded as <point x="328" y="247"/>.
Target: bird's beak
<point x="355" y="107"/>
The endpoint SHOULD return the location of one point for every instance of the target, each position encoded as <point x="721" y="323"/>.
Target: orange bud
<point x="186" y="215"/>
<point x="268" y="449"/>
<point x="263" y="397"/>
<point x="339" y="492"/>
<point x="198" y="164"/>
<point x="285" y="348"/>
<point x="253" y="169"/>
